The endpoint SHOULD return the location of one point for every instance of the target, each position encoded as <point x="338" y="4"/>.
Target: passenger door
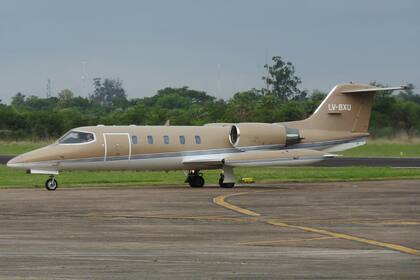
<point x="117" y="146"/>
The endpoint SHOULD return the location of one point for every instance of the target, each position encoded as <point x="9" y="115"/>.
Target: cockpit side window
<point x="77" y="137"/>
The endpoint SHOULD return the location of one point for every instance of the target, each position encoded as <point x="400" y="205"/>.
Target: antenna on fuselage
<point x="168" y="123"/>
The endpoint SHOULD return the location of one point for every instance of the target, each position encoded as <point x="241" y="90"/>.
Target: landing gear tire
<point x="225" y="185"/>
<point x="195" y="179"/>
<point x="196" y="182"/>
<point x="51" y="184"/>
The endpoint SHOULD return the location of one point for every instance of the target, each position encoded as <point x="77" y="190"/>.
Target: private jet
<point x="339" y="123"/>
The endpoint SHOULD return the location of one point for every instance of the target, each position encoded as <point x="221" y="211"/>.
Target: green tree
<point x="194" y="96"/>
<point x="65" y="98"/>
<point x="266" y="109"/>
<point x="11" y="119"/>
<point x="282" y="81"/>
<point x="35" y="103"/>
<point x="409" y="94"/>
<point x="73" y="117"/>
<point x="312" y="101"/>
<point x="109" y="93"/>
<point x="18" y="100"/>
<point x="135" y="114"/>
<point x="44" y="124"/>
<point x="241" y="107"/>
<point x="291" y="111"/>
<point x="407" y="115"/>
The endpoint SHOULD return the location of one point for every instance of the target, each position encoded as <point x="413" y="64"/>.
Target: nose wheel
<point x="51" y="184"/>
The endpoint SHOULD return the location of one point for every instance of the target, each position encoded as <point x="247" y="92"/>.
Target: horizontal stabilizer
<point x="376" y="89"/>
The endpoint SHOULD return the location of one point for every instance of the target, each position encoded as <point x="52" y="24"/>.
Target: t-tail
<point x="346" y="108"/>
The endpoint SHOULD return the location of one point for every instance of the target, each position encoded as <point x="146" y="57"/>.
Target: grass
<point x="16" y="178"/>
<point x="385" y="149"/>
<point x="16" y="148"/>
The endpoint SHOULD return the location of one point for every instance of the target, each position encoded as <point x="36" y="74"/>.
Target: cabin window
<point x="77" y="137"/>
<point x="166" y="139"/>
<point x="150" y="139"/>
<point x="182" y="139"/>
<point x="134" y="140"/>
<point x="197" y="139"/>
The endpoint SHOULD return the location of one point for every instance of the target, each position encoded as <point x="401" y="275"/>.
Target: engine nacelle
<point x="258" y="134"/>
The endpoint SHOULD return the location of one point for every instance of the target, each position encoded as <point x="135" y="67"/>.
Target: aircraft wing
<point x="276" y="158"/>
<point x="261" y="158"/>
<point x="203" y="162"/>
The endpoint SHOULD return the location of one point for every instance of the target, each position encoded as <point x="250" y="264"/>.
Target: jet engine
<point x="257" y="134"/>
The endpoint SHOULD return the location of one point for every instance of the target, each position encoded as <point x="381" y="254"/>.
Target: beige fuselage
<point x="113" y="148"/>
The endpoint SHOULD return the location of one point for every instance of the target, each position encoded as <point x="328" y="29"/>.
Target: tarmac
<point x="5" y="158"/>
<point x="357" y="230"/>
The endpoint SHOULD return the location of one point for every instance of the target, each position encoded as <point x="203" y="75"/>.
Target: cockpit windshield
<point x="77" y="137"/>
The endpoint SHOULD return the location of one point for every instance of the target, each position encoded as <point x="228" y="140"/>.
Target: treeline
<point x="31" y="117"/>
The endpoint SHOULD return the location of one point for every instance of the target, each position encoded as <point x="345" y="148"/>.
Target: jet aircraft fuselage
<point x="163" y="148"/>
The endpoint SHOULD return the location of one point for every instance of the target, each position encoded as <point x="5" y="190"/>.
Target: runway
<point x="352" y="230"/>
<point x="5" y="158"/>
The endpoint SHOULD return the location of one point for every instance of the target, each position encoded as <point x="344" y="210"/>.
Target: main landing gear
<point x="222" y="184"/>
<point x="195" y="179"/>
<point x="51" y="184"/>
<point x="227" y="178"/>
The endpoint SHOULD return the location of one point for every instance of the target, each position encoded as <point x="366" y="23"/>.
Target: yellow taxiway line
<point x="221" y="201"/>
<point x="348" y="237"/>
<point x="353" y="221"/>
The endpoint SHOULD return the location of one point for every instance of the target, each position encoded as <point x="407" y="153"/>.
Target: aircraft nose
<point x="15" y="162"/>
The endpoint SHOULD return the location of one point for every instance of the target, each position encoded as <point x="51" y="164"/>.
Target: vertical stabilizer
<point x="346" y="108"/>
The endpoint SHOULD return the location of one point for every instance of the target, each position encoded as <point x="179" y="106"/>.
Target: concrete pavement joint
<point x="284" y="241"/>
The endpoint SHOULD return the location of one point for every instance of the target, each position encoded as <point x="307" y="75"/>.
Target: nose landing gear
<point x="51" y="184"/>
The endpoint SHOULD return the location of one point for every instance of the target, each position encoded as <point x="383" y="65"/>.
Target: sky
<point x="219" y="46"/>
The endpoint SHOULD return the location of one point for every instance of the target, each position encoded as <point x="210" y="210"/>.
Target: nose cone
<point x="37" y="159"/>
<point x="16" y="162"/>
